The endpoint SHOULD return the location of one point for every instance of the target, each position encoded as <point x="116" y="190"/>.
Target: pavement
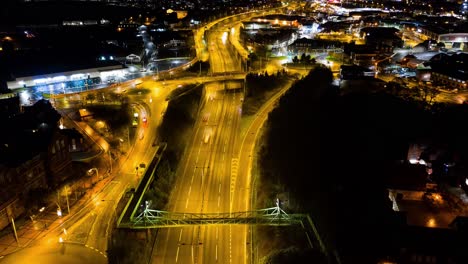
<point x="47" y="222"/>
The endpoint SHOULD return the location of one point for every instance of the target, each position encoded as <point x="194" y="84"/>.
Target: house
<point x="34" y="155"/>
<point x="305" y="45"/>
<point x="382" y="38"/>
<point x="75" y="139"/>
<point x="17" y="181"/>
<point x="450" y="71"/>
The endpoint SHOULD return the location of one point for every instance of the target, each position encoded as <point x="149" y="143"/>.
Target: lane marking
<point x="193" y="260"/>
<point x="180" y="235"/>
<point x="230" y="244"/>
<point x="177" y="254"/>
<point x="193" y="175"/>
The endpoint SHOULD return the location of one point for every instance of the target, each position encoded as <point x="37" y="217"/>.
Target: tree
<point x="428" y="94"/>
<point x="35" y="198"/>
<point x="395" y="88"/>
<point x="100" y="97"/>
<point x="295" y="255"/>
<point x="91" y="97"/>
<point x="114" y="97"/>
<point x="295" y="60"/>
<point x="303" y="58"/>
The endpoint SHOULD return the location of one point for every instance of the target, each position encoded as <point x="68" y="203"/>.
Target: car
<point x="142" y="165"/>
<point x="135" y="122"/>
<point x="206" y="138"/>
<point x="144" y="119"/>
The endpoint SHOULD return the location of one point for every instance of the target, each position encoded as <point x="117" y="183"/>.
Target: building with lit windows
<point x="455" y="41"/>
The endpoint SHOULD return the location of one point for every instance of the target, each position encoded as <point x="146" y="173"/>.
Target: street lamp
<point x="93" y="169"/>
<point x="59" y="210"/>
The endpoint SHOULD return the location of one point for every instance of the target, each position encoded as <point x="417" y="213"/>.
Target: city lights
<point x="242" y="132"/>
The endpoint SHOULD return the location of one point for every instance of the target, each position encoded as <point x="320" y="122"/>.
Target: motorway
<point x="207" y="177"/>
<point x="204" y="176"/>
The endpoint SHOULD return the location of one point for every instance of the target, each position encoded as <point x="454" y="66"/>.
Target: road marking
<point x="193" y="260"/>
<point x="219" y="189"/>
<point x="189" y="190"/>
<point x="230" y="244"/>
<point x="216" y="252"/>
<point x="177" y="254"/>
<point x="180" y="235"/>
<point x="186" y="204"/>
<point x="216" y="233"/>
<point x="193" y="175"/>
<point x="219" y="198"/>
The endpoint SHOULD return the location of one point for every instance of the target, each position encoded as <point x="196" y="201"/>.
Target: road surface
<point x="204" y="177"/>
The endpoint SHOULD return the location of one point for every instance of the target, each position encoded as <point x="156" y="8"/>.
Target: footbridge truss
<point x="150" y="218"/>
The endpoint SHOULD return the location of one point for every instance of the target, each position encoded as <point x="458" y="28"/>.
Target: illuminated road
<point x="94" y="227"/>
<point x="204" y="176"/>
<point x="203" y="185"/>
<point x="54" y="252"/>
<point x="207" y="173"/>
<point x="87" y="228"/>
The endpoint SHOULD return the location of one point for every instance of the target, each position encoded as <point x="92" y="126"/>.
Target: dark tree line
<point x="259" y="83"/>
<point x="178" y="122"/>
<point x="304" y="59"/>
<point x="330" y="152"/>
